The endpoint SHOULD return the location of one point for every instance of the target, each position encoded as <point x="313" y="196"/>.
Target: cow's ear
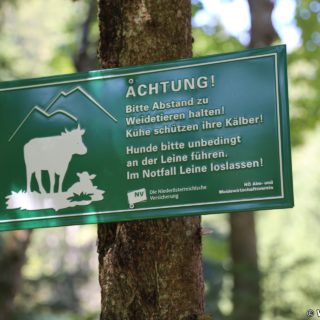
<point x="82" y="131"/>
<point x="92" y="176"/>
<point x="79" y="174"/>
<point x="65" y="132"/>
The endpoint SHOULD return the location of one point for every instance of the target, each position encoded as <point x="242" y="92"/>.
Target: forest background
<point x="59" y="277"/>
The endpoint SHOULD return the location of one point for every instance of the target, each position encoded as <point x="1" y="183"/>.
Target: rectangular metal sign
<point x="187" y="137"/>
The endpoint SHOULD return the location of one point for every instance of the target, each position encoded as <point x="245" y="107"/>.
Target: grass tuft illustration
<point x="57" y="201"/>
<point x="83" y="196"/>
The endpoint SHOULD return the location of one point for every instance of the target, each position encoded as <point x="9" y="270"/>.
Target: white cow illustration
<point x="52" y="154"/>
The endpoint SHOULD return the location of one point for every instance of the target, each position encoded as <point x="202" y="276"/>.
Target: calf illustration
<point x="84" y="185"/>
<point x="52" y="154"/>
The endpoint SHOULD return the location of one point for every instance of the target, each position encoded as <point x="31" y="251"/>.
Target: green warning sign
<point x="188" y="137"/>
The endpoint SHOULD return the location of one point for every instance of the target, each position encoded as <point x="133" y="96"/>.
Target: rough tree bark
<point x="148" y="269"/>
<point x="243" y="239"/>
<point x="13" y="246"/>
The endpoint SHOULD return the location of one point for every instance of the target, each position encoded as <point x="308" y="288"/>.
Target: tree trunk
<point x="246" y="277"/>
<point x="243" y="240"/>
<point x="262" y="32"/>
<point x="148" y="269"/>
<point x="83" y="59"/>
<point x="13" y="246"/>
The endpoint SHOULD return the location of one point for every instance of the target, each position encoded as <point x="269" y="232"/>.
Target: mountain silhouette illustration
<point x="39" y="123"/>
<point x="65" y="110"/>
<point x="78" y="103"/>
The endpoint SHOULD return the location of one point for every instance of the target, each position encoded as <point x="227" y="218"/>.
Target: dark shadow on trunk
<point x="13" y="246"/>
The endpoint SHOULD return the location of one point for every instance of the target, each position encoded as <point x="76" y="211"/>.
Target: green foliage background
<point x="41" y="38"/>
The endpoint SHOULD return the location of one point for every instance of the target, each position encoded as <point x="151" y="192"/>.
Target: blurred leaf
<point x="218" y="42"/>
<point x="215" y="250"/>
<point x="196" y="6"/>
